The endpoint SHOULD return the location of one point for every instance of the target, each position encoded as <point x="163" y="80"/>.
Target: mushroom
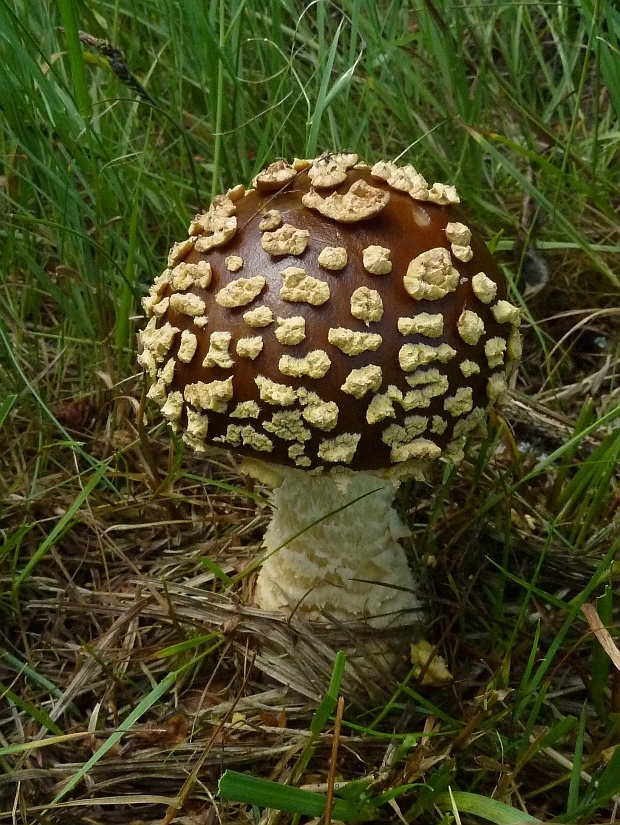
<point x="340" y="326"/>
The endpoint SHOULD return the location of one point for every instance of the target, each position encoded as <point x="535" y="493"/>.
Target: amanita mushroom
<point x="340" y="326"/>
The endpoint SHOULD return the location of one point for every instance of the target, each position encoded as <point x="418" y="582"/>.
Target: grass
<point x="131" y="674"/>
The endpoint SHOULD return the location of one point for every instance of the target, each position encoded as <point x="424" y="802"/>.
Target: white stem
<point x="321" y="571"/>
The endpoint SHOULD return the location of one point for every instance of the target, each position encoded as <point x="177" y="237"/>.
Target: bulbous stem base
<point x="333" y="551"/>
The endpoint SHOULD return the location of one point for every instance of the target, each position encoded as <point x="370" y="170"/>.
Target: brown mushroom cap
<point x="360" y="324"/>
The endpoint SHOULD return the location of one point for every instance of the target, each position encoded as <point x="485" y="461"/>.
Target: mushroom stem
<point x="333" y="550"/>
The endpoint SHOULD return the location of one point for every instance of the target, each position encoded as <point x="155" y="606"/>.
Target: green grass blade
<point x="158" y="691"/>
<point x="239" y="787"/>
<point x="6" y="406"/>
<point x="326" y="707"/>
<point x="74" y="48"/>
<point x="36" y="713"/>
<point x="489" y="809"/>
<point x="609" y="783"/>
<point x="122" y="327"/>
<point x="328" y="703"/>
<point x="323" y="96"/>
<point x="572" y="803"/>
<point x="217" y="571"/>
<point x="600" y="663"/>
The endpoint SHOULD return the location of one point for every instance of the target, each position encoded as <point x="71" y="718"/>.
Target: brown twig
<point x="331" y="777"/>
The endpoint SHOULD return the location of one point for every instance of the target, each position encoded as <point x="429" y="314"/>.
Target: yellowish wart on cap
<point x="495" y="349"/>
<point x="287" y="240"/>
<point x="233" y="263"/>
<point x="419" y="449"/>
<point x="173" y="407"/>
<point x="469" y="423"/>
<point x="218" y="355"/>
<point x="457" y="233"/>
<point x="158" y="287"/>
<point x="515" y="347"/>
<point x="197" y="424"/>
<point x="460" y="403"/>
<point x="330" y="170"/>
<point x="470" y="327"/>
<point x="469" y="368"/>
<point x="236" y="193"/>
<point x="158" y="393"/>
<point x="412" y="356"/>
<point x="237" y="434"/>
<point x="214" y="229"/>
<point x="404" y="178"/>
<point x="506" y="313"/>
<point x="280" y="395"/>
<point x="315" y="364"/>
<point x="359" y="382"/>
<point x="353" y="343"/>
<point x="287" y="424"/>
<point x="496" y="388"/>
<point x="187" y="347"/>
<point x="182" y="277"/>
<point x="431" y="275"/>
<point x="180" y="251"/>
<point x="271" y="220"/>
<point x="291" y="331"/>
<point x="443" y="194"/>
<point x="259" y="317"/>
<point x="412" y="426"/>
<point x="296" y="454"/>
<point x="196" y="444"/>
<point x="202" y="274"/>
<point x="299" y="287"/>
<point x="276" y="176"/>
<point x="249" y="347"/>
<point x="426" y="385"/>
<point x="160" y="308"/>
<point x="333" y="257"/>
<point x="380" y="407"/>
<point x="147" y="362"/>
<point x="340" y="449"/>
<point x="318" y="413"/>
<point x="166" y="373"/>
<point x="422" y="324"/>
<point x="187" y="303"/>
<point x="366" y="305"/>
<point x="158" y="340"/>
<point x="212" y="396"/>
<point x="360" y="202"/>
<point x="376" y="260"/>
<point x="484" y="288"/>
<point x="462" y="253"/>
<point x="246" y="409"/>
<point x="240" y="292"/>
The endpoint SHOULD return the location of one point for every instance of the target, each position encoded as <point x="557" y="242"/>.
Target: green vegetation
<point x="133" y="674"/>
